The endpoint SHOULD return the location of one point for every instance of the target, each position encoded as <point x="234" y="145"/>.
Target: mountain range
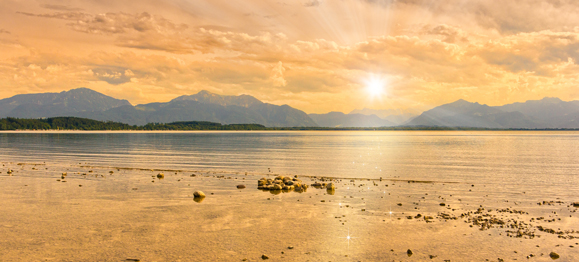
<point x="203" y="106"/>
<point x="58" y="104"/>
<point x="245" y="109"/>
<point x="544" y="113"/>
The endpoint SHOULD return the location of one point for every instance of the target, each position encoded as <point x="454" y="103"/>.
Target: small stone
<point x="290" y="247"/>
<point x="554" y="255"/>
<point x="330" y="186"/>
<point x="160" y="175"/>
<point x="575" y="204"/>
<point x="264" y="257"/>
<point x="442" y="204"/>
<point x="240" y="186"/>
<point x="199" y="194"/>
<point x="409" y="252"/>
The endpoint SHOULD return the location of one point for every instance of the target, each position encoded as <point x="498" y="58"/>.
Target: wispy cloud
<point x="60" y="7"/>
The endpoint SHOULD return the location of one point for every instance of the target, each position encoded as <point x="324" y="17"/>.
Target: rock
<point x="576" y="204"/>
<point x="409" y="252"/>
<point x="442" y="204"/>
<point x="554" y="255"/>
<point x="160" y="175"/>
<point x="240" y="186"/>
<point x="264" y="257"/>
<point x="330" y="186"/>
<point x="198" y="194"/>
<point x="276" y="187"/>
<point x="290" y="247"/>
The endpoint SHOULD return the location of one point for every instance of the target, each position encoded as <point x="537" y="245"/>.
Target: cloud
<point x="60" y="7"/>
<point x="312" y="3"/>
<point x="277" y="75"/>
<point x="114" y="23"/>
<point x="449" y="34"/>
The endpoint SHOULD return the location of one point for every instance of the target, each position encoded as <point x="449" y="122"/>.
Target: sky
<point x="314" y="55"/>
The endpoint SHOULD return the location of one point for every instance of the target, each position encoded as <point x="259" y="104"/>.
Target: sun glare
<point x="375" y="87"/>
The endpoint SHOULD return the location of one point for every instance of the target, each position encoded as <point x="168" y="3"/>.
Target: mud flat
<point x="84" y="213"/>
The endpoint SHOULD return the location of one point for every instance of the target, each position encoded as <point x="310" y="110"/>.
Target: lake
<point x="521" y="160"/>
<point x="444" y="195"/>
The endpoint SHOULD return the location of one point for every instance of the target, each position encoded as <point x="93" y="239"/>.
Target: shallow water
<point x="513" y="160"/>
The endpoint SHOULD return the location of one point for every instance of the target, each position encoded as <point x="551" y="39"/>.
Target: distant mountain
<point x="209" y="98"/>
<point x="203" y="106"/>
<point x="466" y="114"/>
<point x="339" y="119"/>
<point x="549" y="112"/>
<point x="65" y="103"/>
<point x="395" y="116"/>
<point x="206" y="106"/>
<point x="245" y="109"/>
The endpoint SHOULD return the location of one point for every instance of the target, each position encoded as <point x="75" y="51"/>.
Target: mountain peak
<point x="64" y="103"/>
<point x="207" y="97"/>
<point x="551" y="100"/>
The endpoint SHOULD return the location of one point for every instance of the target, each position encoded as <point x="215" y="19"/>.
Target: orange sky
<point x="314" y="55"/>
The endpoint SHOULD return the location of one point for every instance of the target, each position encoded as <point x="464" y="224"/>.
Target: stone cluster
<point x="282" y="183"/>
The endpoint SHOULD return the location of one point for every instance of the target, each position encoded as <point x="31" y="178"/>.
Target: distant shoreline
<point x="75" y="124"/>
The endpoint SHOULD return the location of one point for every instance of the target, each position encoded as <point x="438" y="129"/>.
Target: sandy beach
<point x="116" y="214"/>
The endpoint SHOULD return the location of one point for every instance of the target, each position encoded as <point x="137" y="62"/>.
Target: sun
<point x="375" y="86"/>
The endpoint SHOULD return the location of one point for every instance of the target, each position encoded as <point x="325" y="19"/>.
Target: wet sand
<point x="95" y="215"/>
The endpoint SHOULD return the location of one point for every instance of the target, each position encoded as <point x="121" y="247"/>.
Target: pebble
<point x="264" y="257"/>
<point x="198" y="194"/>
<point x="160" y="175"/>
<point x="554" y="255"/>
<point x="240" y="186"/>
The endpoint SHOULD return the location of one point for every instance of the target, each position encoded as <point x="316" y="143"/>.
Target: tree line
<point x="76" y="123"/>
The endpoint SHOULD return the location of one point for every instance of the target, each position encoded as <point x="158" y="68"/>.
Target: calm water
<point x="527" y="160"/>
